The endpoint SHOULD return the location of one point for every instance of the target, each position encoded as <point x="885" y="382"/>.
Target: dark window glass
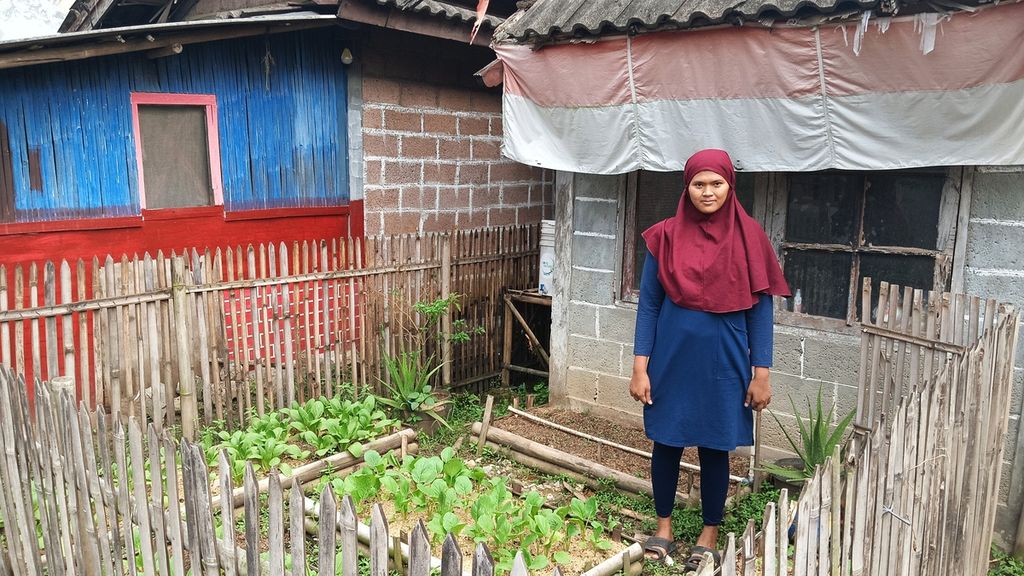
<point x="902" y="209"/>
<point x="905" y="271"/>
<point x="822" y="279"/>
<point x="175" y="156"/>
<point x="657" y="198"/>
<point x="853" y="212"/>
<point x="745" y="191"/>
<point x="823" y="207"/>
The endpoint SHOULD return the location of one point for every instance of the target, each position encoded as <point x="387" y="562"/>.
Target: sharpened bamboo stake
<point x="186" y="386"/>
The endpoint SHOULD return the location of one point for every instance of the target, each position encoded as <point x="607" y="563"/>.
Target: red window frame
<point x="209" y="103"/>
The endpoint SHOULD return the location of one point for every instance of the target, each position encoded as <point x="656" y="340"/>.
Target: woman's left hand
<point x="759" y="393"/>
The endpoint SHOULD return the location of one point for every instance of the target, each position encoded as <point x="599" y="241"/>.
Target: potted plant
<point x="412" y="395"/>
<point x="815" y="446"/>
<point x="412" y="375"/>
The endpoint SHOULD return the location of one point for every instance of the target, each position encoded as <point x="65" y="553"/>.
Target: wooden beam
<point x="172" y="50"/>
<point x="150" y="42"/>
<point x="530" y="371"/>
<point x="963" y="218"/>
<point x="407" y="21"/>
<point x="558" y="342"/>
<point x="526" y="328"/>
<point x="97" y="12"/>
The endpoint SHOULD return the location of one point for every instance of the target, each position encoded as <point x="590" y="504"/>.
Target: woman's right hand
<point x="640" y="383"/>
<point x="640" y="388"/>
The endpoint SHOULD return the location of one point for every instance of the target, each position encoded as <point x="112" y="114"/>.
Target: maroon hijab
<point x="715" y="262"/>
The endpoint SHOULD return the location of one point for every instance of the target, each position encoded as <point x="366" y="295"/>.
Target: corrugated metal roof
<point x="445" y="9"/>
<point x="84" y="14"/>
<point x="121" y="33"/>
<point x="552" y="19"/>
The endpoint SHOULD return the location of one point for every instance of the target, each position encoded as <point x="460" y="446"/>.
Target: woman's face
<point x="708" y="191"/>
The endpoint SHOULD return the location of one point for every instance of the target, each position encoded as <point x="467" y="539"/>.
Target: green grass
<point x="1004" y="564"/>
<point x="466" y="408"/>
<point x="745" y="508"/>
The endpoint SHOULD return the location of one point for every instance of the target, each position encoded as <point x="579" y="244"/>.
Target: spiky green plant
<point x="816" y="442"/>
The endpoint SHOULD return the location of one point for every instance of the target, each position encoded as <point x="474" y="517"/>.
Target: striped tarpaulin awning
<point x="924" y="90"/>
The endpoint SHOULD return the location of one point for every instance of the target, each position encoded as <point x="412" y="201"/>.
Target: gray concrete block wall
<point x="994" y="268"/>
<point x="805" y="362"/>
<point x="600" y="339"/>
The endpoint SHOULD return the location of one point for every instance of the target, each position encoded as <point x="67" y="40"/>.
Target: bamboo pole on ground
<point x="564" y="459"/>
<point x="599" y="440"/>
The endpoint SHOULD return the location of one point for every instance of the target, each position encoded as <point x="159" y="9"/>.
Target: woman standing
<point x="704" y="325"/>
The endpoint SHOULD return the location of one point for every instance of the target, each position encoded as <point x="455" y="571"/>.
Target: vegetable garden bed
<point x="289" y="437"/>
<point x="453" y="496"/>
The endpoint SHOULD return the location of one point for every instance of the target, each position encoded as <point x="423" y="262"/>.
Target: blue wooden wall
<point x="281" y="104"/>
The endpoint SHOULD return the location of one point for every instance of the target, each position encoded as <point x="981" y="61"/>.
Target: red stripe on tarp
<point x="726" y="63"/>
<point x="569" y="75"/>
<point x="971" y="50"/>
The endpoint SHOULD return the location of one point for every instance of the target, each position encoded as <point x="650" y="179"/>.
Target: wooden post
<point x="184" y="344"/>
<point x="67" y="323"/>
<point x="446" y="321"/>
<point x="485" y="424"/>
<point x="756" y="462"/>
<point x="506" y="348"/>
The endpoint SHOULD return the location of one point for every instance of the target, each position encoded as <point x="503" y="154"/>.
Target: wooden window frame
<point x="209" y="104"/>
<point x="954" y="205"/>
<point x="628" y="292"/>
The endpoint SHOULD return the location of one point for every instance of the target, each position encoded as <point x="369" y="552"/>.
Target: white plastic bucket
<point x="546" y="276"/>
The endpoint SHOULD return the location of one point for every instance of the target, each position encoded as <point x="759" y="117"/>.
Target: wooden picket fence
<point x="258" y="327"/>
<point x="81" y="493"/>
<point x="914" y="494"/>
<point x="909" y="338"/>
<point x="918" y="489"/>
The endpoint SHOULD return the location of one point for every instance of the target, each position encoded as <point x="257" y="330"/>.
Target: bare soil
<point x="739" y="465"/>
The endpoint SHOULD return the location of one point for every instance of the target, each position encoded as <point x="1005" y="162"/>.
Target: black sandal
<point x="697" y="556"/>
<point x="660" y="547"/>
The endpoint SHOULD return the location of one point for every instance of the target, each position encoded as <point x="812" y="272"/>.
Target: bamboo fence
<point x="81" y="493"/>
<point x="918" y="489"/>
<point x="222" y="333"/>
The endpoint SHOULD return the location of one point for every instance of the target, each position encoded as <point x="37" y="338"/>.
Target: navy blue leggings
<point x="714" y="481"/>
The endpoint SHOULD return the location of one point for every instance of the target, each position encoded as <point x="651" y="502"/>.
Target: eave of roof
<point x="548" y="21"/>
<point x="85" y="13"/>
<point x="63" y="47"/>
<point x="443" y="9"/>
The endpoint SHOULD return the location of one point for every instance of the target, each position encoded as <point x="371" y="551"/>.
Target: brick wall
<point x="432" y="142"/>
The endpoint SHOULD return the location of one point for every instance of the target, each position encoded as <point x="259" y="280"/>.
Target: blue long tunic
<point x="700" y="366"/>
